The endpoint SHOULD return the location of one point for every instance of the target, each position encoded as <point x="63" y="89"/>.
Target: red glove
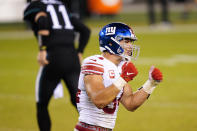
<point x="155" y="74"/>
<point x="128" y="71"/>
<point x="155" y="77"/>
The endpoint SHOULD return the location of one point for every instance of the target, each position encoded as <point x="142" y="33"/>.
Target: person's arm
<point x="42" y="22"/>
<point x="35" y="15"/>
<point x="84" y="33"/>
<point x="98" y="94"/>
<point x="132" y="101"/>
<point x="43" y="31"/>
<point x="102" y="96"/>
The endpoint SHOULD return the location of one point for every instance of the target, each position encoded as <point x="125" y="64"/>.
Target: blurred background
<point x="167" y="35"/>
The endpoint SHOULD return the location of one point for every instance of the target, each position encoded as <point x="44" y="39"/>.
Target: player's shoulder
<point x="33" y="8"/>
<point x="99" y="59"/>
<point x="93" y="65"/>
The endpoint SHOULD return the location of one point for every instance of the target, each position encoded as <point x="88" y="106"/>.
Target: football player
<point x="55" y="29"/>
<point x="104" y="78"/>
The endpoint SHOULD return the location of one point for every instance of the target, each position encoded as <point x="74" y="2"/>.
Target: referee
<point x="55" y="30"/>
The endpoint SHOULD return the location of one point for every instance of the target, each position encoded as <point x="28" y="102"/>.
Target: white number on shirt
<point x="54" y="17"/>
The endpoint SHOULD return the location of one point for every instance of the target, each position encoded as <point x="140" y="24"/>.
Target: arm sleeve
<point x="30" y="12"/>
<point x="84" y="32"/>
<point x="43" y="23"/>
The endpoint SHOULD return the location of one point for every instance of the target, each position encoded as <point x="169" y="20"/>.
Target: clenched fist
<point x="155" y="75"/>
<point x="42" y="58"/>
<point x="129" y="71"/>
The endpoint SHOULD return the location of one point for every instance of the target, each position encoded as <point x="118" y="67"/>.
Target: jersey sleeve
<point x="32" y="9"/>
<point x="92" y="66"/>
<point x="84" y="32"/>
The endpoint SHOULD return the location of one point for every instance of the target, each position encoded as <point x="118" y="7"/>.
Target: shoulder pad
<point x="32" y="9"/>
<point x="92" y="65"/>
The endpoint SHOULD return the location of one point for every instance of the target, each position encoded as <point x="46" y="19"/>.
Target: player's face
<point x="126" y="44"/>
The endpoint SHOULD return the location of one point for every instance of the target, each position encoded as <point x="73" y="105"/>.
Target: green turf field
<point x="172" y="107"/>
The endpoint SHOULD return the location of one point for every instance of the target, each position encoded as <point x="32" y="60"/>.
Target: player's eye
<point x="127" y="41"/>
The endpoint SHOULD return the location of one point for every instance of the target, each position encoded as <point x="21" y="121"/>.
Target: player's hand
<point x="155" y="75"/>
<point x="42" y="58"/>
<point x="129" y="71"/>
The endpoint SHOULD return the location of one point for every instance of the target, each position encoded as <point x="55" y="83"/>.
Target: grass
<point x="171" y="107"/>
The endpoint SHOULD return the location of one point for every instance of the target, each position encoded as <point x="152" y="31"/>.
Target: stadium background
<point x="173" y="105"/>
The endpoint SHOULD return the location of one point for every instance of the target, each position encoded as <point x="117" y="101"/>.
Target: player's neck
<point x="113" y="58"/>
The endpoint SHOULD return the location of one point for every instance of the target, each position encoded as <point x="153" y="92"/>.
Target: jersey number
<point x="77" y="95"/>
<point x="54" y="17"/>
<point x="110" y="109"/>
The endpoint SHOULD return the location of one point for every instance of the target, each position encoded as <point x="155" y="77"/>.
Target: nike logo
<point x="129" y="73"/>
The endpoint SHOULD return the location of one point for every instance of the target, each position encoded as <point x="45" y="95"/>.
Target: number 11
<point x="62" y="10"/>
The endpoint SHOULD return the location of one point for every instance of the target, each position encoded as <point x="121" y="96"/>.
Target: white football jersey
<point x="88" y="112"/>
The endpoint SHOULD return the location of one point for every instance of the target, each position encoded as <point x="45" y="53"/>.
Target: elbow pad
<point x="43" y="23"/>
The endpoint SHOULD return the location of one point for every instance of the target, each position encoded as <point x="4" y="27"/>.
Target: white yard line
<point x="159" y="29"/>
<point x="26" y="98"/>
<point x="9" y="35"/>
<point x="166" y="29"/>
<point x="171" y="61"/>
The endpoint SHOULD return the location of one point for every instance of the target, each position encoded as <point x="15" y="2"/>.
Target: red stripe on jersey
<point x="92" y="72"/>
<point x="92" y="69"/>
<point x="94" y="64"/>
<point x="77" y="95"/>
<point x="81" y="126"/>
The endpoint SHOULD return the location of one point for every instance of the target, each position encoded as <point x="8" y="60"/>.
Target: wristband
<point x="43" y="48"/>
<point x="148" y="87"/>
<point x="120" y="83"/>
<point x="42" y="40"/>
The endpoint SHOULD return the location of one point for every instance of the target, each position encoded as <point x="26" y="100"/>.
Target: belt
<point x="81" y="126"/>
